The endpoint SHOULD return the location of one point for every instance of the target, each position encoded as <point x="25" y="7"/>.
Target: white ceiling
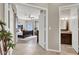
<point x="24" y="11"/>
<point x="63" y="4"/>
<point x="46" y="4"/>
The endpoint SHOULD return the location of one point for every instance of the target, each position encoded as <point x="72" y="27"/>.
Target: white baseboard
<point x="41" y="45"/>
<point x="53" y="50"/>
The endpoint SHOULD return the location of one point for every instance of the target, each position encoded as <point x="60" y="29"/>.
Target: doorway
<point x="40" y="24"/>
<point x="68" y="30"/>
<point x="11" y="14"/>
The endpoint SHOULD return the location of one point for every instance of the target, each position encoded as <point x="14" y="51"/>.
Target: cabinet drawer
<point x="66" y="38"/>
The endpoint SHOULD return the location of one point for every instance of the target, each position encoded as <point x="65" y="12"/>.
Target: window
<point x="29" y="26"/>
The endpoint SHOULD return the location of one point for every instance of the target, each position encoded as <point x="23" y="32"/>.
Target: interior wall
<point x="63" y="24"/>
<point x="64" y="18"/>
<point x="53" y="27"/>
<point x="1" y="11"/>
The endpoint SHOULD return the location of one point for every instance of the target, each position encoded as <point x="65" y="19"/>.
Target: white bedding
<point x="19" y="32"/>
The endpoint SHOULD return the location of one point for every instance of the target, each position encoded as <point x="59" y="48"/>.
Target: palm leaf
<point x="2" y="23"/>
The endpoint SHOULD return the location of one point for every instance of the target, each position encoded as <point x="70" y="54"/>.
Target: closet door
<point x="42" y="28"/>
<point x="74" y="18"/>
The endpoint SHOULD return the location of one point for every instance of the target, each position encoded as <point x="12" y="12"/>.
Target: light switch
<point x="49" y="28"/>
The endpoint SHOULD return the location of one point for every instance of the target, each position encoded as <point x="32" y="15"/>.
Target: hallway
<point x="28" y="46"/>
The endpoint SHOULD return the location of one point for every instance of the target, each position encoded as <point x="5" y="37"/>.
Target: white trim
<point x="46" y="29"/>
<point x="53" y="50"/>
<point x="59" y="31"/>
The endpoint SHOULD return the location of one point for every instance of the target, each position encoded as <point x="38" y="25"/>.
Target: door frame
<point x="43" y="8"/>
<point x="64" y="7"/>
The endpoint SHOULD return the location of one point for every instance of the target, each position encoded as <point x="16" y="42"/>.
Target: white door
<point x="42" y="29"/>
<point x="74" y="19"/>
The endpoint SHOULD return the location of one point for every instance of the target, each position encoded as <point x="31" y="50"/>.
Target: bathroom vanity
<point x="66" y="37"/>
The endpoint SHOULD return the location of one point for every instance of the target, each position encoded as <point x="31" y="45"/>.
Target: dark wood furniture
<point x="37" y="33"/>
<point x="66" y="37"/>
<point x="25" y="34"/>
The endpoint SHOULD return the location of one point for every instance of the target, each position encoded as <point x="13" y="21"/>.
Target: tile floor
<point x="28" y="46"/>
<point x="67" y="50"/>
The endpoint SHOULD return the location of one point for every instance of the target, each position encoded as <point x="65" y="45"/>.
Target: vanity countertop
<point x="66" y="32"/>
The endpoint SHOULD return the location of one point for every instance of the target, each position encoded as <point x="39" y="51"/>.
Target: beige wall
<point x="53" y="27"/>
<point x="1" y="11"/>
<point x="53" y="22"/>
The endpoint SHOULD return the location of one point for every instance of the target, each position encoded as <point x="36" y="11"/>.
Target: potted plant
<point x="6" y="39"/>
